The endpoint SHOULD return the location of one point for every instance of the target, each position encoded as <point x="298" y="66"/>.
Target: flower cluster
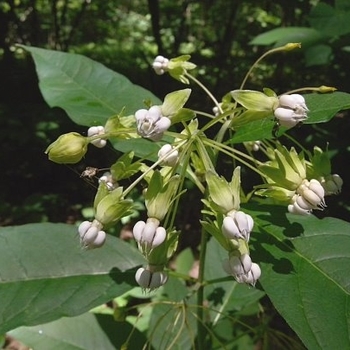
<point x="91" y="234"/>
<point x="160" y="65"/>
<point x="291" y="110"/>
<point x="151" y="123"/>
<point x="242" y="269"/>
<point x="300" y="181"/>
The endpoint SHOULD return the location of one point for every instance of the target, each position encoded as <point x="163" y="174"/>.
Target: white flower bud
<point x="149" y="235"/>
<point x="312" y="195"/>
<point x="109" y="181"/>
<point x="151" y="124"/>
<point x="160" y="65"/>
<point x="291" y="110"/>
<point x="150" y="280"/>
<point x="170" y="156"/>
<point x="97" y="130"/>
<point x="237" y="224"/>
<point x="237" y="265"/>
<point x="293" y="101"/>
<point x="253" y="275"/>
<point x="91" y="235"/>
<point x="296" y="209"/>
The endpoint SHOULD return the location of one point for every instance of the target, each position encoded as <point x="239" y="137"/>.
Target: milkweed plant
<point x="191" y="146"/>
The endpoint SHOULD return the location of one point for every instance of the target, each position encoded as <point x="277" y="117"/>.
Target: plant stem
<point x="200" y="292"/>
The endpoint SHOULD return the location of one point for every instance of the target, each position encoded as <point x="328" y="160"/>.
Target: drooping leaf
<point x="89" y="92"/>
<point x="305" y="271"/>
<point x="44" y="274"/>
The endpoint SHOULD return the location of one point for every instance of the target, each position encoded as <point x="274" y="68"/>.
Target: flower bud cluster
<point x="151" y="123"/>
<point x="149" y="235"/>
<point x="160" y="65"/>
<point x="237" y="224"/>
<point x="150" y="278"/>
<point x="242" y="269"/>
<point x="91" y="234"/>
<point x="97" y="130"/>
<point x="108" y="179"/>
<point x="169" y="155"/>
<point x="309" y="195"/>
<point x="291" y="110"/>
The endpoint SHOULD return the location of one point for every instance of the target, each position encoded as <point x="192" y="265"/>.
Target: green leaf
<point x="305" y="272"/>
<point x="323" y="107"/>
<point x="318" y="55"/>
<point x="84" y="332"/>
<point x="44" y="274"/>
<point x="281" y="36"/>
<point x="89" y="92"/>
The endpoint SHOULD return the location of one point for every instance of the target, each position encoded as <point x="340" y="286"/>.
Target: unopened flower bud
<point x="108" y="179"/>
<point x="150" y="280"/>
<point x="91" y="235"/>
<point x="160" y="65"/>
<point x="169" y="155"/>
<point x="149" y="234"/>
<point x="151" y="123"/>
<point x="311" y="195"/>
<point x="291" y="110"/>
<point x="237" y="224"/>
<point x="237" y="265"/>
<point x="97" y="130"/>
<point x="252" y="276"/>
<point x="68" y="148"/>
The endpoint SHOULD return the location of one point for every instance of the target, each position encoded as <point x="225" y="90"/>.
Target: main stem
<point x="200" y="293"/>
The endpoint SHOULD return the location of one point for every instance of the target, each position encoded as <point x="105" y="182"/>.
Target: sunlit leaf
<point x="89" y="92"/>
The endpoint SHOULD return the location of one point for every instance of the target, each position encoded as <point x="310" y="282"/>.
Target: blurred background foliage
<point x="224" y="37"/>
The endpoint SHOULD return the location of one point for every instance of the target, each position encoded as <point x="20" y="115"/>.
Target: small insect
<point x="89" y="172"/>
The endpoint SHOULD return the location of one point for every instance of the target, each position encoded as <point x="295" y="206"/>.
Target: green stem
<point x="200" y="293"/>
<point x="207" y="91"/>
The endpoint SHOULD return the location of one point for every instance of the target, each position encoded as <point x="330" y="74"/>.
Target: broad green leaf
<point x="84" y="332"/>
<point x="227" y="296"/>
<point x="323" y="107"/>
<point x="305" y="271"/>
<point x="281" y="36"/>
<point x="44" y="274"/>
<point x="89" y="92"/>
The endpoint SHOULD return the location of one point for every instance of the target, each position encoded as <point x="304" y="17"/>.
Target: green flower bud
<point x="68" y="148"/>
<point x="112" y="207"/>
<point x="255" y="100"/>
<point x="159" y="195"/>
<point x="225" y="196"/>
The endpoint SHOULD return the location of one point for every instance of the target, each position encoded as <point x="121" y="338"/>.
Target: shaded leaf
<point x="305" y="272"/>
<point x="84" y="332"/>
<point x="44" y="274"/>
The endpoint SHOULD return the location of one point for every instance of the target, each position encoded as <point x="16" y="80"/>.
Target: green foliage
<point x="85" y="89"/>
<point x="43" y="268"/>
<point x="328" y="25"/>
<point x="306" y="265"/>
<point x="304" y="260"/>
